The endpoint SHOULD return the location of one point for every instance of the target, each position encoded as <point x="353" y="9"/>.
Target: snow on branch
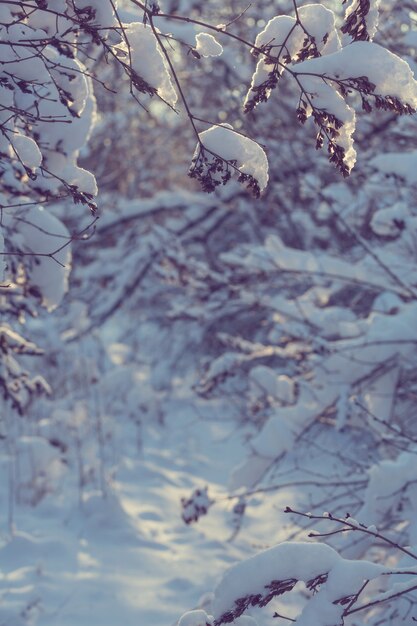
<point x="336" y="586"/>
<point x="307" y="48"/>
<point x="45" y="240"/>
<point x="148" y="68"/>
<point x="221" y="152"/>
<point x="361" y="19"/>
<point x="286" y="40"/>
<point x="336" y="583"/>
<point x="48" y="106"/>
<point x="370" y="70"/>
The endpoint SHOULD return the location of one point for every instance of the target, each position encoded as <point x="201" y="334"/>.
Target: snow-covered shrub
<point x="333" y="587"/>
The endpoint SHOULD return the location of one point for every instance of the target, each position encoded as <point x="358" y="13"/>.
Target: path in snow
<point x="128" y="558"/>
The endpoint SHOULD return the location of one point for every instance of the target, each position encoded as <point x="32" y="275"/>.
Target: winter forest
<point x="208" y="313"/>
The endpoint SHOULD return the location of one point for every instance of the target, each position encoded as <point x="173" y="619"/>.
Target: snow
<point x="385" y="482"/>
<point x="201" y="342"/>
<point x="280" y="387"/>
<point x="41" y="233"/>
<point x="388" y="221"/>
<point x="126" y="553"/>
<point x="371" y="18"/>
<point x="324" y="98"/>
<point x="104" y="12"/>
<point x="56" y="87"/>
<point x="276" y="437"/>
<point x="317" y="20"/>
<point x="401" y="164"/>
<point x="296" y="561"/>
<point x="148" y="61"/>
<point x="196" y="618"/>
<point x="27" y="149"/>
<point x="301" y="561"/>
<point x="230" y="145"/>
<point x="207" y="45"/>
<point x="322" y="76"/>
<point x="129" y="553"/>
<point x="388" y="72"/>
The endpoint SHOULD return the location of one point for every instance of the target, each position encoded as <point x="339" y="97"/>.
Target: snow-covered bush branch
<point x="334" y="588"/>
<point x="47" y="88"/>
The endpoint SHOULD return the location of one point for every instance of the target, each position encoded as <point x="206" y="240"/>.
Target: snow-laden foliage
<point x="257" y="581"/>
<point x="308" y="49"/>
<point x="47" y="104"/>
<point x="148" y="66"/>
<point x="221" y="151"/>
<point x="361" y="19"/>
<point x="218" y="360"/>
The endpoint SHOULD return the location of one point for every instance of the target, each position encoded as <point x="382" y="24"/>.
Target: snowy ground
<point x="91" y="528"/>
<point x="76" y="557"/>
<point x="128" y="556"/>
